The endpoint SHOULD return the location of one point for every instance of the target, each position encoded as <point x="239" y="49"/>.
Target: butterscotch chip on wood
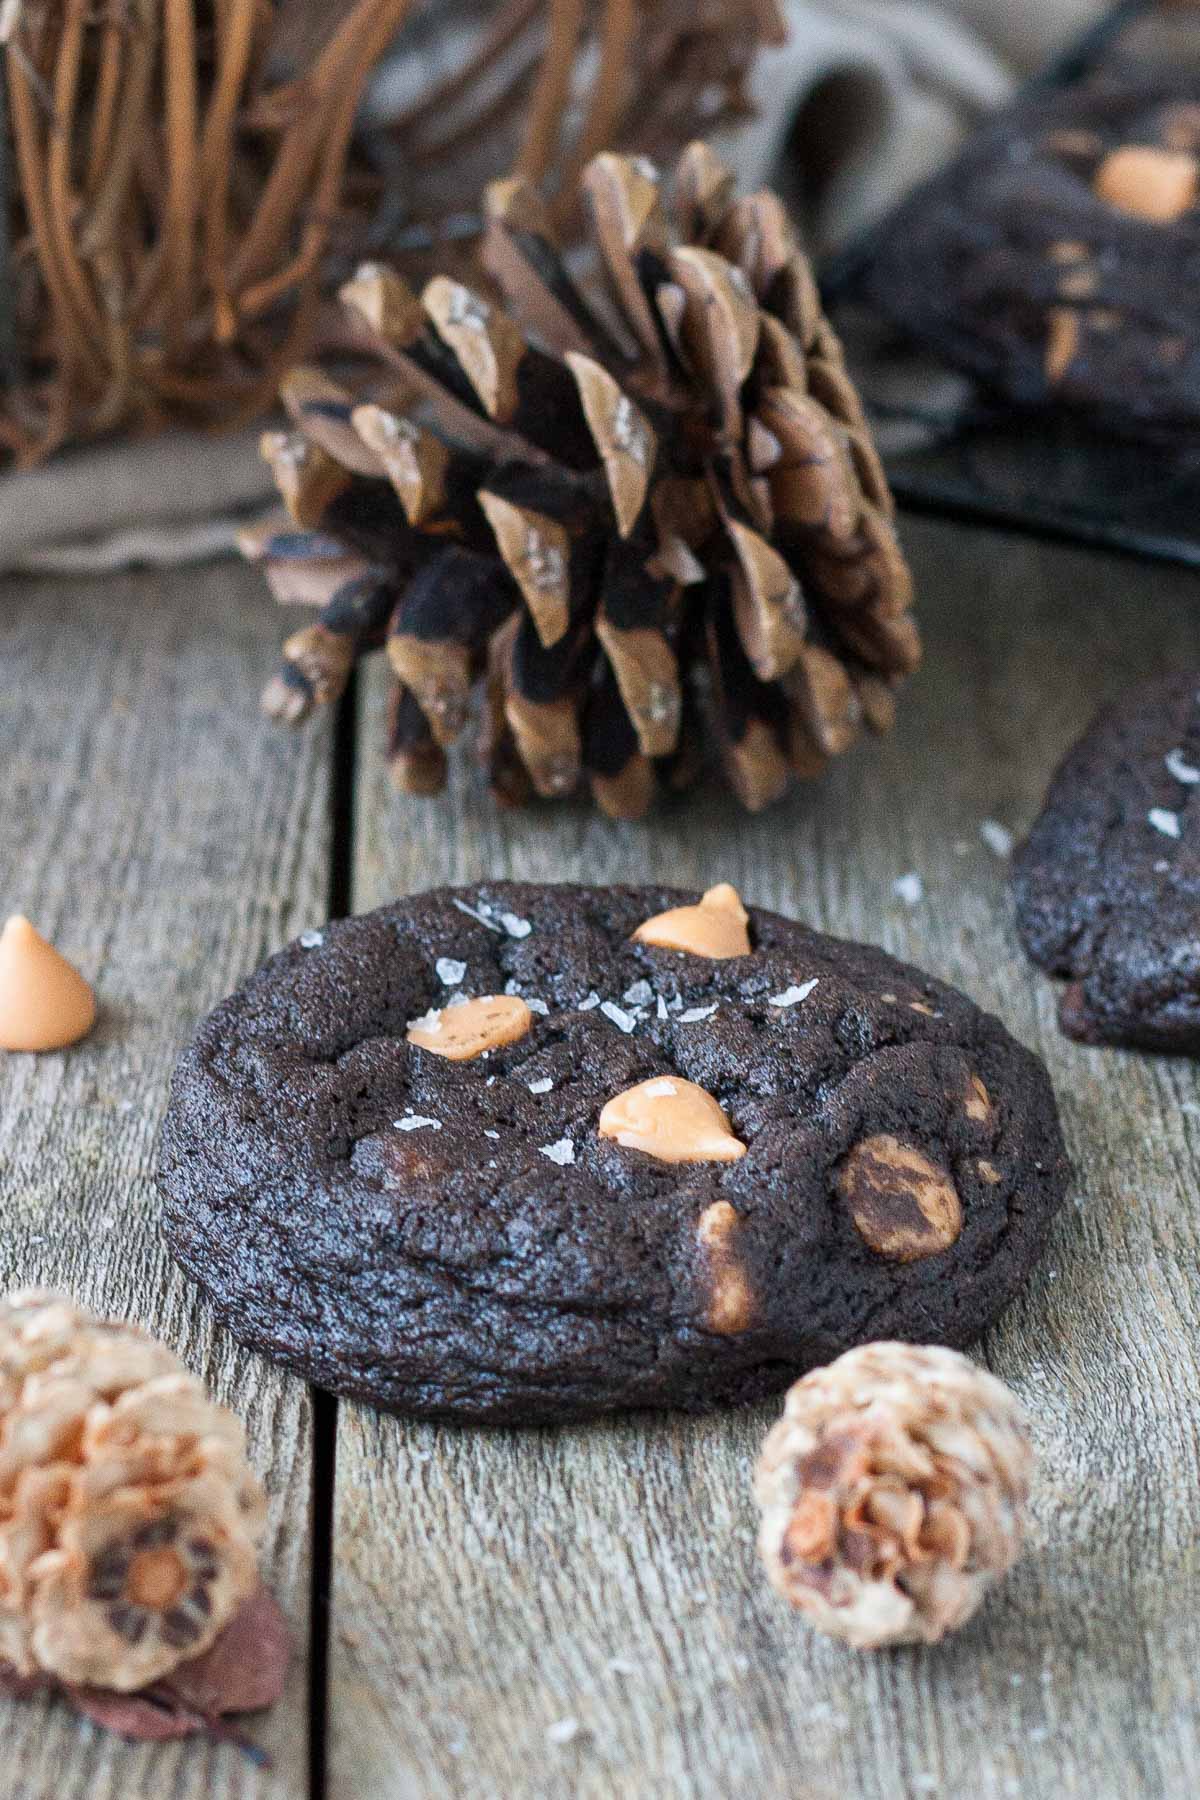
<point x="45" y="1004"/>
<point x="1148" y="182"/>
<point x="461" y="1033"/>
<point x="902" y="1203"/>
<point x="672" y="1120"/>
<point x="715" y="927"/>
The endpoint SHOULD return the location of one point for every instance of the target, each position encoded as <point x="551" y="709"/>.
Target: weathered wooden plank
<point x="487" y="1584"/>
<point x="167" y="840"/>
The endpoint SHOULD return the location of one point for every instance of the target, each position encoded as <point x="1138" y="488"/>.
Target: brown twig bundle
<point x="180" y="192"/>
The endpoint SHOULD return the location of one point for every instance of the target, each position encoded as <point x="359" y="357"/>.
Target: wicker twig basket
<point x="185" y="178"/>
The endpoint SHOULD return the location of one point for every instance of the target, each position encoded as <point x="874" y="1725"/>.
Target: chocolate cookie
<point x="1052" y="259"/>
<point x="1108" y="881"/>
<point x="667" y="1153"/>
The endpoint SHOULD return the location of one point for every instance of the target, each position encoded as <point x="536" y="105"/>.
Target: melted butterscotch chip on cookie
<point x="460" y="1033"/>
<point x="732" y="1304"/>
<point x="978" y="1103"/>
<point x="903" y="1205"/>
<point x="1148" y="182"/>
<point x="672" y="1120"/>
<point x="715" y="927"/>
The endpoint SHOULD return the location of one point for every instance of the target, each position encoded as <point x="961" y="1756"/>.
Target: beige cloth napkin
<point x="866" y="98"/>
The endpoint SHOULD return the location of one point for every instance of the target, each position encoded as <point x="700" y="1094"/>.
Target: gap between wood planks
<point x="324" y="1405"/>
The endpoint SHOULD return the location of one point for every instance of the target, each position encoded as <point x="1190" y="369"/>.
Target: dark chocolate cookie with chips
<point x="1108" y="882"/>
<point x="531" y="1153"/>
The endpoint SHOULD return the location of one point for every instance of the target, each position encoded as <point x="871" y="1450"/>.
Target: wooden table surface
<point x="454" y="1593"/>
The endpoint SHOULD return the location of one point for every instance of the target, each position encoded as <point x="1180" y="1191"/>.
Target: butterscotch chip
<point x="460" y="1033"/>
<point x="1062" y="341"/>
<point x="732" y="1302"/>
<point x="1148" y="182"/>
<point x="672" y="1120"/>
<point x="902" y="1203"/>
<point x="715" y="927"/>
<point x="978" y="1103"/>
<point x="45" y="1004"/>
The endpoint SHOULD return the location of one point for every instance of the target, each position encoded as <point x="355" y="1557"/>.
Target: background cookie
<point x="1108" y="882"/>
<point x="457" y="1237"/>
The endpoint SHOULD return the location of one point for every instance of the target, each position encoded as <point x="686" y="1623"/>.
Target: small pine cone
<point x="129" y="1518"/>
<point x="893" y="1493"/>
<point x="633" y="521"/>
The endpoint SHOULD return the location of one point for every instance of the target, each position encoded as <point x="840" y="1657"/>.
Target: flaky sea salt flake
<point x="622" y="1020"/>
<point x="562" y="1153"/>
<point x="481" y="914"/>
<point x="542" y="1086"/>
<point x="1164" y="821"/>
<point x="449" y="970"/>
<point x="694" y="1014"/>
<point x="1181" y="769"/>
<point x="792" y="996"/>
<point x="909" y="888"/>
<point x="311" y="940"/>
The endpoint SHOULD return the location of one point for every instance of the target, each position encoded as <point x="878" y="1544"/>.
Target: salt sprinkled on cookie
<point x="893" y="1493"/>
<point x="1181" y="769"/>
<point x="695" y="1014"/>
<point x="792" y="996"/>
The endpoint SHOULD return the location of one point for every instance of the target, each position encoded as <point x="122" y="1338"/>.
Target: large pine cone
<point x="129" y="1518"/>
<point x="640" y="519"/>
